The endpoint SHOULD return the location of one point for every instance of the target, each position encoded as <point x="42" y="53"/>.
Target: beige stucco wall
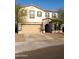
<point x="36" y="19"/>
<point x="55" y="14"/>
<point x="50" y="14"/>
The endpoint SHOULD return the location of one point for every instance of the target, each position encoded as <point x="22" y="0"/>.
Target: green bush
<point x="57" y="21"/>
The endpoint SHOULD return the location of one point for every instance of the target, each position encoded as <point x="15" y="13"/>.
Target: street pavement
<point x="51" y="52"/>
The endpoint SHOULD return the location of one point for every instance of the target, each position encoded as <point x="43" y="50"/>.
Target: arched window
<point x="47" y="14"/>
<point x="39" y="13"/>
<point x="54" y="16"/>
<point x="32" y="13"/>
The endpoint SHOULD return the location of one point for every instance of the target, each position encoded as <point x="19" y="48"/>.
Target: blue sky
<point x="44" y="4"/>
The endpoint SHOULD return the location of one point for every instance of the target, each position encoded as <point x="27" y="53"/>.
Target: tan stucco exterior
<point x="27" y="18"/>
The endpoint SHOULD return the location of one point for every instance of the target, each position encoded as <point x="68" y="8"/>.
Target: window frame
<point x="32" y="14"/>
<point x="54" y="15"/>
<point x="39" y="13"/>
<point x="47" y="14"/>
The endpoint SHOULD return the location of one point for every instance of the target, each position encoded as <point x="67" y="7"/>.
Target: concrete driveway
<point x="39" y="40"/>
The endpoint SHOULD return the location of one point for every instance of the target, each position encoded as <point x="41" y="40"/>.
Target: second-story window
<point x="32" y="13"/>
<point x="39" y="13"/>
<point x="47" y="14"/>
<point x="54" y="15"/>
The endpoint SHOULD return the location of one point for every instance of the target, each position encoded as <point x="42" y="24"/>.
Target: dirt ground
<point x="24" y="37"/>
<point x="55" y="35"/>
<point x="33" y="41"/>
<point x="19" y="37"/>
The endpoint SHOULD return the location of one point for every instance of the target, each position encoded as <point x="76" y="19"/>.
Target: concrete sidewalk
<point x="36" y="41"/>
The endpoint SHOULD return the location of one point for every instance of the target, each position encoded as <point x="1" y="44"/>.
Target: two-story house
<point x="33" y="19"/>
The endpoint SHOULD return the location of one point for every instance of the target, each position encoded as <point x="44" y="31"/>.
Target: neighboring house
<point x="34" y="19"/>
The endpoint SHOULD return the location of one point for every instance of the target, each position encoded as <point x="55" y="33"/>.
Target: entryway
<point x="48" y="28"/>
<point x="47" y="25"/>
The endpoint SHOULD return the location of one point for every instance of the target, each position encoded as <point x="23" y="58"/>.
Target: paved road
<point x="52" y="52"/>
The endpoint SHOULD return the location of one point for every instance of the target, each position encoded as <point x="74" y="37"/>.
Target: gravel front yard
<point x="27" y="42"/>
<point x="19" y="37"/>
<point x="38" y="36"/>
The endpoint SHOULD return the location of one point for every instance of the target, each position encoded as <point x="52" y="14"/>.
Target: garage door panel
<point x="31" y="28"/>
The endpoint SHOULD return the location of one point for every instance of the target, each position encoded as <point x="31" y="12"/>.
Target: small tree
<point x="16" y="12"/>
<point x="61" y="15"/>
<point x="16" y="17"/>
<point x="22" y="15"/>
<point x="57" y="21"/>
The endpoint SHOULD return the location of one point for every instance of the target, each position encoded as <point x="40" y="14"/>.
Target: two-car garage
<point x="31" y="28"/>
